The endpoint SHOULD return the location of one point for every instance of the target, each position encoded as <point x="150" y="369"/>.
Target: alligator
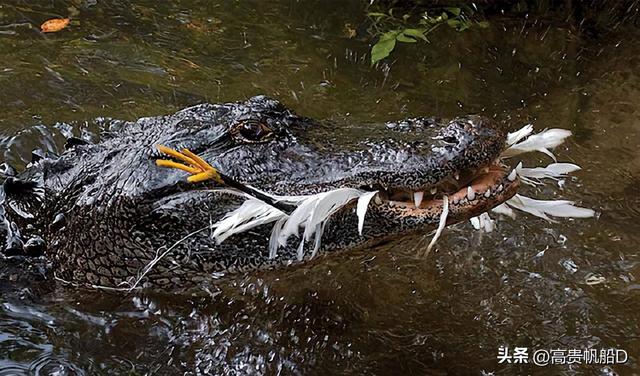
<point x="102" y="211"/>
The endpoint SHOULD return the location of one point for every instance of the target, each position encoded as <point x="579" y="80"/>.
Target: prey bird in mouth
<point x="262" y="191"/>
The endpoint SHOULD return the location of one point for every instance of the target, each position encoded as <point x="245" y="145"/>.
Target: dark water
<point x="379" y="311"/>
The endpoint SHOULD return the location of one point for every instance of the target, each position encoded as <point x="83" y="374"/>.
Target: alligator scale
<point x="103" y="212"/>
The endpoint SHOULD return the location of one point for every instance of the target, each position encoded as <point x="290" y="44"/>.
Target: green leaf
<point x="453" y="23"/>
<point x="376" y="14"/>
<point x="389" y="35"/>
<point x="444" y="16"/>
<point x="415" y="33"/>
<point x="453" y="10"/>
<point x="405" y="39"/>
<point x="484" y="24"/>
<point x="383" y="48"/>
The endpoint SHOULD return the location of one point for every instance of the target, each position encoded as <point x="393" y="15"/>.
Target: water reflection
<point x="385" y="310"/>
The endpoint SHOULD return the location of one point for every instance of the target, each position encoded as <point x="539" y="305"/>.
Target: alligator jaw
<point x="486" y="189"/>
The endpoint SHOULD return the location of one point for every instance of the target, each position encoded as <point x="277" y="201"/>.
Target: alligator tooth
<point x="456" y="201"/>
<point x="456" y="176"/>
<point x="487" y="194"/>
<point x="434" y="190"/>
<point x="377" y="200"/>
<point x="500" y="188"/>
<point x="512" y="175"/>
<point x="417" y="198"/>
<point x="471" y="195"/>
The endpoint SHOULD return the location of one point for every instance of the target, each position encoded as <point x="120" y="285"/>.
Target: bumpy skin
<point x="105" y="210"/>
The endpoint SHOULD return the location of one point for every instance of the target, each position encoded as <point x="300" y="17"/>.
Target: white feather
<point x="252" y="213"/>
<point x="312" y="212"/>
<point x="442" y="224"/>
<point x="327" y="204"/>
<point x="361" y="210"/>
<point x="301" y="250"/>
<point x="541" y="142"/>
<point x="275" y="234"/>
<point x="297" y="218"/>
<point x="504" y="209"/>
<point x="552" y="171"/>
<point x="482" y="222"/>
<point x="318" y="239"/>
<point x="518" y="135"/>
<point x="544" y="208"/>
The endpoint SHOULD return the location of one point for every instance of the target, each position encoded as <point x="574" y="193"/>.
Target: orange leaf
<point x="53" y="25"/>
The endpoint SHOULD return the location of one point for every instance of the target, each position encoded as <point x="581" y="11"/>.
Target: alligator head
<point x="105" y="210"/>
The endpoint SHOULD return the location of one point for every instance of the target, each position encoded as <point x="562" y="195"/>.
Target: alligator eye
<point x="252" y="131"/>
<point x="450" y="140"/>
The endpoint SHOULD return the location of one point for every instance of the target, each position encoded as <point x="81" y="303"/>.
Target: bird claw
<point x="199" y="169"/>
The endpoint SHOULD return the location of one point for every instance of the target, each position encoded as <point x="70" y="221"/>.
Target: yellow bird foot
<point x="199" y="169"/>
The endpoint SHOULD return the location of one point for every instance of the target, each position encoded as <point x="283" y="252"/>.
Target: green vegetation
<point x="391" y="29"/>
